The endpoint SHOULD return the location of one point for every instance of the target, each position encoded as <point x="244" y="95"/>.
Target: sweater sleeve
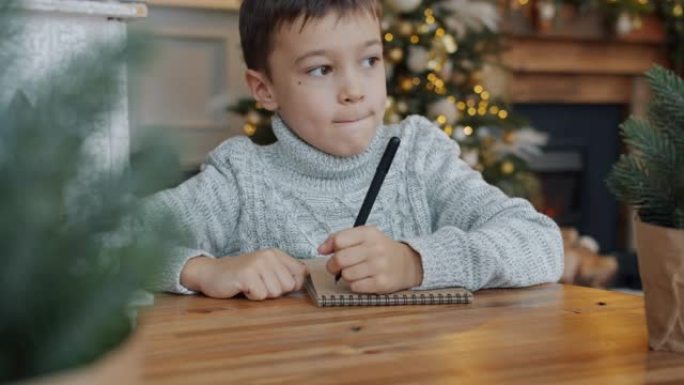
<point x="481" y="238"/>
<point x="206" y="208"/>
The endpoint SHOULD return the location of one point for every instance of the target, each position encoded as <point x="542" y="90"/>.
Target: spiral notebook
<point x="324" y="291"/>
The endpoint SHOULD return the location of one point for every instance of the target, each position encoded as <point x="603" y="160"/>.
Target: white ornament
<point x="444" y="108"/>
<point x="389" y="70"/>
<point x="471" y="157"/>
<point x="418" y="58"/>
<point x="589" y="242"/>
<point x="459" y="134"/>
<point x="394" y="118"/>
<point x="624" y="24"/>
<point x="253" y="117"/>
<point x="495" y="79"/>
<point x="447" y="69"/>
<point x="469" y="14"/>
<point x="457" y="26"/>
<point x="547" y="10"/>
<point x="387" y="22"/>
<point x="403" y="5"/>
<point x="527" y="145"/>
<point x="484" y="132"/>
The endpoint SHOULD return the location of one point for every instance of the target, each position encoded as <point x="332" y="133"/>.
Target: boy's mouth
<point x="350" y="120"/>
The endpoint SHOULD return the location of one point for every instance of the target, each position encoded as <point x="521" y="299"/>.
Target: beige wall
<point x="196" y="71"/>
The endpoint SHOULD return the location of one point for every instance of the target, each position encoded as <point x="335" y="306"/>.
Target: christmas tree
<point x="436" y="55"/>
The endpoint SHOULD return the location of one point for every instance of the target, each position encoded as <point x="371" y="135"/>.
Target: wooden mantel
<point x="579" y="61"/>
<point x="222" y="5"/>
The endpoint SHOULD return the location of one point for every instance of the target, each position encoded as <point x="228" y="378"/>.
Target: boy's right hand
<point x="259" y="275"/>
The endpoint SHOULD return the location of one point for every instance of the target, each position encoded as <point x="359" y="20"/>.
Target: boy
<point x="254" y="210"/>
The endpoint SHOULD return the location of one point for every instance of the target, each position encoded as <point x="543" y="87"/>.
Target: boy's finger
<point x="326" y="247"/>
<point x="299" y="281"/>
<point x="287" y="281"/>
<point x="357" y="272"/>
<point x="297" y="268"/>
<point x="366" y="285"/>
<point x="351" y="256"/>
<point x="272" y="284"/>
<point x="344" y="239"/>
<point x="332" y="266"/>
<point x="256" y="291"/>
<point x="299" y="271"/>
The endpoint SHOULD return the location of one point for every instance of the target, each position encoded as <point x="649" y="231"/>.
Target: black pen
<point x="374" y="188"/>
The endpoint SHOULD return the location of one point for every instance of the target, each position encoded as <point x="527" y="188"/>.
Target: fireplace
<point x="584" y="144"/>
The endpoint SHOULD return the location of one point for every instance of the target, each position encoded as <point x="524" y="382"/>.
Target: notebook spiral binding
<point x="392" y="299"/>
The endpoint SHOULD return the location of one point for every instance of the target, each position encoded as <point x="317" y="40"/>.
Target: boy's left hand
<point x="372" y="262"/>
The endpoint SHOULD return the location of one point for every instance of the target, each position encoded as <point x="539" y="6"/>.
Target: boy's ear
<point x="260" y="87"/>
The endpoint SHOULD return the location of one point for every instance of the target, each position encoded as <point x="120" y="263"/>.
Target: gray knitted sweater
<point x="291" y="196"/>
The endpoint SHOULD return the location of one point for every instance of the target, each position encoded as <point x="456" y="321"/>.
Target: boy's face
<point x="327" y="81"/>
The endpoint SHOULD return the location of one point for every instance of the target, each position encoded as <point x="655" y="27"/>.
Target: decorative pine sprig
<point x="650" y="176"/>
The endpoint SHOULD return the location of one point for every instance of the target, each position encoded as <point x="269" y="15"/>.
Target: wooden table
<point x="550" y="334"/>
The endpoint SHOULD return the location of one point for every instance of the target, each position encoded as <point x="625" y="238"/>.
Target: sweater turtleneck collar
<point x="307" y="160"/>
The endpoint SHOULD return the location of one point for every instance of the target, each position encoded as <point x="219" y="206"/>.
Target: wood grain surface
<point x="551" y="334"/>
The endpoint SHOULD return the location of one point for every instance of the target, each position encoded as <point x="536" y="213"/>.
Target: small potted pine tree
<point x="650" y="178"/>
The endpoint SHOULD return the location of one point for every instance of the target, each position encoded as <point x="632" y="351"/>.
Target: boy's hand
<point x="263" y="274"/>
<point x="372" y="262"/>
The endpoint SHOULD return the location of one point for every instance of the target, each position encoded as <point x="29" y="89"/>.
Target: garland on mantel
<point x="625" y="16"/>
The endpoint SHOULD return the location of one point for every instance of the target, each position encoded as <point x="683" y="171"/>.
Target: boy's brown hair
<point x="261" y="19"/>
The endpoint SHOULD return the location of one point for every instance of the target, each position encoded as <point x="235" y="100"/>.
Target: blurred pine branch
<point x="74" y="249"/>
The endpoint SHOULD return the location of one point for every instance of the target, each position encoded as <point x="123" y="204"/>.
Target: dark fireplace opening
<point x="584" y="143"/>
<point x="561" y="174"/>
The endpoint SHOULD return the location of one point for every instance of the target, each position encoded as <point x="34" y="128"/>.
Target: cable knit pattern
<point x="291" y="196"/>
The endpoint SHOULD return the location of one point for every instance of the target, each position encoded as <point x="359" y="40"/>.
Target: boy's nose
<point x="352" y="97"/>
<point x="352" y="91"/>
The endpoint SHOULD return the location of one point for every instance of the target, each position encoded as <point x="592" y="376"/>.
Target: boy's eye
<point x="371" y="61"/>
<point x="320" y="71"/>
